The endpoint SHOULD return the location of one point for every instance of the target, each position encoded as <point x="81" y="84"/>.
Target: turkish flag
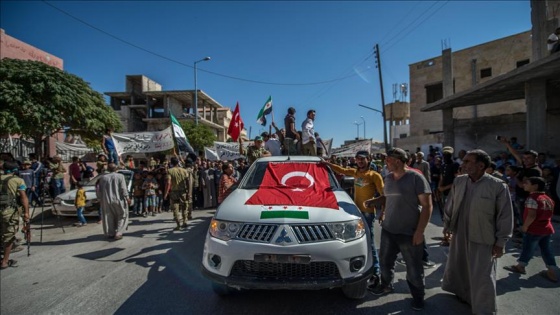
<point x="236" y="124"/>
<point x="295" y="184"/>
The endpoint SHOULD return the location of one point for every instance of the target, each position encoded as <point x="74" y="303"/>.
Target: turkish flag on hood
<point x="236" y="124"/>
<point x="295" y="184"/>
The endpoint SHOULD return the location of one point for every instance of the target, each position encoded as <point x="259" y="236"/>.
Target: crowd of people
<point x="483" y="202"/>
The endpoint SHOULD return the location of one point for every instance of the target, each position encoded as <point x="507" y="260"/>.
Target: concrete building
<point x="145" y="106"/>
<point x="473" y="126"/>
<point x="523" y="101"/>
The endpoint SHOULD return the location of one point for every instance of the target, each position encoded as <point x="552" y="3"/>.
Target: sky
<point x="305" y="54"/>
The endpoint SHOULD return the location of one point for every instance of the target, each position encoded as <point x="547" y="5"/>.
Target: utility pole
<point x="378" y="61"/>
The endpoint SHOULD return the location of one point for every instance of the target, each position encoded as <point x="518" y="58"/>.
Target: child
<point x="150" y="185"/>
<point x="138" y="194"/>
<point x="80" y="203"/>
<point x="538" y="229"/>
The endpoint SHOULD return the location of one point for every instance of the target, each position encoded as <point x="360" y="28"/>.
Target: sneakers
<point x="177" y="228"/>
<point x="184" y="226"/>
<point x="428" y="264"/>
<point x="401" y="261"/>
<point x="373" y="281"/>
<point x="417" y="304"/>
<point x="381" y="289"/>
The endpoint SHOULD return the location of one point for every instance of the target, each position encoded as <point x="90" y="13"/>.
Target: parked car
<point x="63" y="204"/>
<point x="263" y="243"/>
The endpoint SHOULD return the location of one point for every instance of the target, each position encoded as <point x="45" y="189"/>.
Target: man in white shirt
<point x="272" y="144"/>
<point x="308" y="135"/>
<point x="552" y="42"/>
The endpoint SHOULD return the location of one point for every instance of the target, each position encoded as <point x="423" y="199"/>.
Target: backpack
<point x="6" y="200"/>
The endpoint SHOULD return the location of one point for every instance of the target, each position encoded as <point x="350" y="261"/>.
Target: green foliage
<point x="199" y="136"/>
<point x="38" y="100"/>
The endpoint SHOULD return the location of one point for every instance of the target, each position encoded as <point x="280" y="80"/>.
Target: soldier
<point x="11" y="187"/>
<point x="179" y="192"/>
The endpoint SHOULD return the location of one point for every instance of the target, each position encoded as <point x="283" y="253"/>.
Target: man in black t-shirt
<point x="291" y="132"/>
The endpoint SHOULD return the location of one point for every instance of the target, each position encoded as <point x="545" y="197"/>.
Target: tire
<point x="356" y="290"/>
<point x="221" y="289"/>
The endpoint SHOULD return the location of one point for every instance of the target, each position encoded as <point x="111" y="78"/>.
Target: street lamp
<point x="357" y="129"/>
<point x="196" y="91"/>
<point x="362" y="117"/>
<point x="384" y="124"/>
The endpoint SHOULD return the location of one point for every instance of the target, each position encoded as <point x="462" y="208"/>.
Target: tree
<point x="199" y="136"/>
<point x="38" y="100"/>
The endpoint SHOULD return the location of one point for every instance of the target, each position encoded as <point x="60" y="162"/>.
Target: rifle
<point x="27" y="232"/>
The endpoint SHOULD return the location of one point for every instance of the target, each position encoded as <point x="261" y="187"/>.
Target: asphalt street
<point x="154" y="270"/>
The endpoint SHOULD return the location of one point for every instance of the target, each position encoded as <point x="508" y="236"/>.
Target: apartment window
<point x="434" y="92"/>
<point x="521" y="63"/>
<point x="484" y="73"/>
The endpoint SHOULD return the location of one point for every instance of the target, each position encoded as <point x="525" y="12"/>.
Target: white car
<point x="63" y="204"/>
<point x="279" y="230"/>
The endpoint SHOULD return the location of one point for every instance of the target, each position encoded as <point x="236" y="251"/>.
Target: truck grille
<point x="312" y="233"/>
<point x="285" y="271"/>
<point x="257" y="232"/>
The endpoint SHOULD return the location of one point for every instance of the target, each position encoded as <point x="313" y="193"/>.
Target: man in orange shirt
<point x="367" y="184"/>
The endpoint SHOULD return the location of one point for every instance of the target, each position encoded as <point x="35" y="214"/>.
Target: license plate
<point x="283" y="259"/>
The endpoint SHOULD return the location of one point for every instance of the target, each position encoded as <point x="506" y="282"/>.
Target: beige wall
<point x="500" y="55"/>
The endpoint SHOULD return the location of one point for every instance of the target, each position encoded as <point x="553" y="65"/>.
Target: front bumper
<point x="329" y="266"/>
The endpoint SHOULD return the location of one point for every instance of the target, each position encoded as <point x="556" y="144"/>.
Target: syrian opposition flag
<point x="180" y="137"/>
<point x="236" y="124"/>
<point x="267" y="109"/>
<point x="295" y="184"/>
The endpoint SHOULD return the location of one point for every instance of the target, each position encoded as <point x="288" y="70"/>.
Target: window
<point x="521" y="63"/>
<point x="434" y="92"/>
<point x="484" y="73"/>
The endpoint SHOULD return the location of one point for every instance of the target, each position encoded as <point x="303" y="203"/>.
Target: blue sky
<point x="286" y="49"/>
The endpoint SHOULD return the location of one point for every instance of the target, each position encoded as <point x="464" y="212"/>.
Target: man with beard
<point x="479" y="214"/>
<point x="367" y="184"/>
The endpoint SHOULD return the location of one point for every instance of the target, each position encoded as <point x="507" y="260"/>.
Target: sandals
<point x="515" y="268"/>
<point x="11" y="263"/>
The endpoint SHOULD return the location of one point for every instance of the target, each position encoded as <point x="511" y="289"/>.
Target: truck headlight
<point x="223" y="230"/>
<point x="348" y="231"/>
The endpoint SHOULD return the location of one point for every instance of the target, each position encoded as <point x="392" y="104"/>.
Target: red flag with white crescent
<point x="295" y="184"/>
<point x="236" y="124"/>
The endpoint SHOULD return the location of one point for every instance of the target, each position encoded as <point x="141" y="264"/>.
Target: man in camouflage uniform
<point x="179" y="192"/>
<point x="254" y="151"/>
<point x="11" y="187"/>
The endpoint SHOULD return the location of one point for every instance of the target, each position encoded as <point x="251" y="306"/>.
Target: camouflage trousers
<point x="180" y="204"/>
<point x="9" y="226"/>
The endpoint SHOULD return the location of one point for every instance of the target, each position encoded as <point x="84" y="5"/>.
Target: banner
<point x="144" y="142"/>
<point x="210" y="154"/>
<point x="227" y="151"/>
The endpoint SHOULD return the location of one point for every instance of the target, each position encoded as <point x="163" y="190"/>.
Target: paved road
<point x="154" y="270"/>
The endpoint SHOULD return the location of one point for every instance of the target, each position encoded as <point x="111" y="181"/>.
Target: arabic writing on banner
<point x="227" y="151"/>
<point x="144" y="142"/>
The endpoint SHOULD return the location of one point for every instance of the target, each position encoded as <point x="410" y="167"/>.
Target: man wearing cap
<point x="309" y="143"/>
<point x="449" y="170"/>
<point x="367" y="184"/>
<point x="408" y="207"/>
<point x="11" y="188"/>
<point x="254" y="151"/>
<point x="28" y="176"/>
<point x="179" y="191"/>
<point x="479" y="214"/>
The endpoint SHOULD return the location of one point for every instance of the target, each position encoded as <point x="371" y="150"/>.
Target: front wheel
<point x="356" y="290"/>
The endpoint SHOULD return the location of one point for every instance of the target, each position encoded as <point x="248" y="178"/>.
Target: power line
<point x="398" y="23"/>
<point x="421" y="22"/>
<point x="188" y="65"/>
